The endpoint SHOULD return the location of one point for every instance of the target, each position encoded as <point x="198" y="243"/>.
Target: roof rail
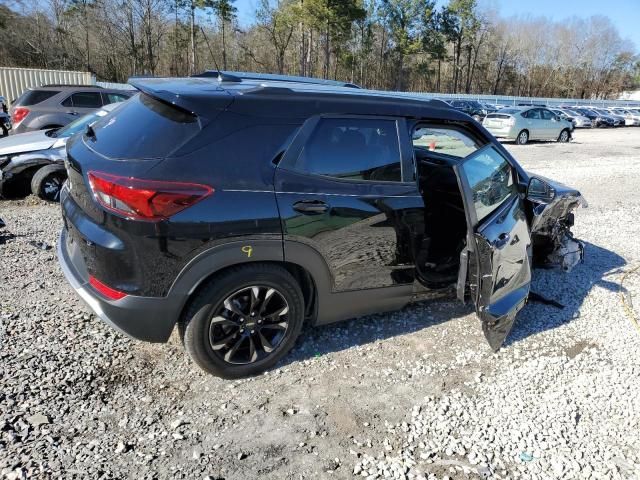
<point x="239" y="76"/>
<point x="69" y="85"/>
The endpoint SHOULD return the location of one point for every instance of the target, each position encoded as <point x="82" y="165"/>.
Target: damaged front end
<point x="22" y="166"/>
<point x="552" y="205"/>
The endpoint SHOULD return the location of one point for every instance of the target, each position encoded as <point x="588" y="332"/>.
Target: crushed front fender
<point x="554" y="245"/>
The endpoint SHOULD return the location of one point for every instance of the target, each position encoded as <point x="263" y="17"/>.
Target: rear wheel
<point x="564" y="136"/>
<point x="522" y="138"/>
<point x="47" y="182"/>
<point x="243" y="320"/>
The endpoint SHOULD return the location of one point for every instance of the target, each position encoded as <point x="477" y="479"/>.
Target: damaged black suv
<point x="239" y="207"/>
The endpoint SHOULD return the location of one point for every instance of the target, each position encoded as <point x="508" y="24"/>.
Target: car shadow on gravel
<point x="569" y="289"/>
<point x="322" y="340"/>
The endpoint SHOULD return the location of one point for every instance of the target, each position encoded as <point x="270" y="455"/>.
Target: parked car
<point x="241" y="209"/>
<point x="631" y="118"/>
<point x="472" y="108"/>
<point x="579" y="120"/>
<point x="618" y="120"/>
<point x="54" y="106"/>
<point x="34" y="161"/>
<point x="522" y="124"/>
<point x="564" y="116"/>
<point x="487" y="108"/>
<point x="597" y="119"/>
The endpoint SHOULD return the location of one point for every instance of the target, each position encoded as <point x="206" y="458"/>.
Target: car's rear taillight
<point x="106" y="290"/>
<point x="511" y="121"/>
<point x="151" y="200"/>
<point x="18" y="114"/>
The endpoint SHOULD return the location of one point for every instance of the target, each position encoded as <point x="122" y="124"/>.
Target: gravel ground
<point x="411" y="394"/>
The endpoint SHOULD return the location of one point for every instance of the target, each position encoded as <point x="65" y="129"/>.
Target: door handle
<point x="72" y="113"/>
<point x="502" y="240"/>
<point x="310" y="206"/>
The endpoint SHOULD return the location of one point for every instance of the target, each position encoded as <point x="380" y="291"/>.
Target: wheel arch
<point x="211" y="263"/>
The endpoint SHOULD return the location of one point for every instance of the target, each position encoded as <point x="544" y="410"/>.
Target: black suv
<point x="470" y="107"/>
<point x="238" y="209"/>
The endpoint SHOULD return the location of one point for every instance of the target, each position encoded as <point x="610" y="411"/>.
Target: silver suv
<point x="54" y="106"/>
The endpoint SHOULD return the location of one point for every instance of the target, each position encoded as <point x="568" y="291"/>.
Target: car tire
<point x="228" y="334"/>
<point x="47" y="182"/>
<point x="564" y="136"/>
<point x="522" y="138"/>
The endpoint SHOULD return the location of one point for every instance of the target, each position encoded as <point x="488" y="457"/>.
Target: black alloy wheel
<point x="249" y="325"/>
<point x="243" y="320"/>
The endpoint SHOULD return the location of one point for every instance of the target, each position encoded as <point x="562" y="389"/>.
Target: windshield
<point x="77" y="125"/>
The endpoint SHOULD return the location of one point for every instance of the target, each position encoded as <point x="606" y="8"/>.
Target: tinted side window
<point x="547" y="115"/>
<point x="33" y="97"/>
<point x="67" y="102"/>
<point x="357" y="149"/>
<point x="534" y="114"/>
<point x="86" y="100"/>
<point x="491" y="180"/>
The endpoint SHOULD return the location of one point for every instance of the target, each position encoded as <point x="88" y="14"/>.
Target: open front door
<point x="496" y="264"/>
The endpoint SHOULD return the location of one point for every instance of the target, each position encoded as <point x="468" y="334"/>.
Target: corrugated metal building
<point x="14" y="81"/>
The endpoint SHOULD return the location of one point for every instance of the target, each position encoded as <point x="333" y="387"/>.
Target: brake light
<point x="107" y="291"/>
<point x="18" y="114"/>
<point x="151" y="200"/>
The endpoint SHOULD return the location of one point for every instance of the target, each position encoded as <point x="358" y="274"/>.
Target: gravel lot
<point x="412" y="394"/>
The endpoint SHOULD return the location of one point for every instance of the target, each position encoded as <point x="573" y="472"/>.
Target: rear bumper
<point x="150" y="319"/>
<point x="507" y="133"/>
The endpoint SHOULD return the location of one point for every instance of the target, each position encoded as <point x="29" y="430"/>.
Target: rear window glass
<point x="143" y="128"/>
<point x="509" y="110"/>
<point x="33" y="97"/>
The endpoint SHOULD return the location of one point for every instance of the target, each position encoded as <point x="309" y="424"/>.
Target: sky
<point x="625" y="14"/>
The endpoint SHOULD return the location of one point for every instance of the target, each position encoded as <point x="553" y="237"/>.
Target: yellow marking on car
<point x="248" y="250"/>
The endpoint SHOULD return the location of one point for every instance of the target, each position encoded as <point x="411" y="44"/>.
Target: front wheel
<point x="243" y="320"/>
<point x="47" y="182"/>
<point x="522" y="138"/>
<point x="564" y="136"/>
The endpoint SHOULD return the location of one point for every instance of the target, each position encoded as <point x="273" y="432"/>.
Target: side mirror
<point x="540" y="191"/>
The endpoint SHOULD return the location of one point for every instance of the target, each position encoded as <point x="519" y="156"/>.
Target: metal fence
<point x="115" y="86"/>
<point x="14" y="81"/>
<point x="513" y="100"/>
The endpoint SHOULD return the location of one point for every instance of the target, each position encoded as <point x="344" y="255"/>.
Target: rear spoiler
<point x="203" y="102"/>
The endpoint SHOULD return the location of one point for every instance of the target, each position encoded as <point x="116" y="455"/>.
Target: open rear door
<point x="496" y="264"/>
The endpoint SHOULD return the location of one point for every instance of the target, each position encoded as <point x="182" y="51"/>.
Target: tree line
<point x="413" y="45"/>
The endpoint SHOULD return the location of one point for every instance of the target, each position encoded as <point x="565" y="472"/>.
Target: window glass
<point x="547" y="115"/>
<point x="444" y="140"/>
<point x="143" y="128"/>
<point x="86" y="100"/>
<point x="67" y="102"/>
<point x="534" y="114"/>
<point x="114" y="98"/>
<point x="33" y="97"/>
<point x="491" y="180"/>
<point x="357" y="149"/>
<point x="80" y="124"/>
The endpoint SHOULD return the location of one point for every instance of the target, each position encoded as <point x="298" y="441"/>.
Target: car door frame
<point x="330" y="305"/>
<point x="473" y="262"/>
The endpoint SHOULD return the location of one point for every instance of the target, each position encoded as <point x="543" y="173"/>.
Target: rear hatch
<point x="498" y="120"/>
<point x="116" y="212"/>
<point x="151" y="126"/>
